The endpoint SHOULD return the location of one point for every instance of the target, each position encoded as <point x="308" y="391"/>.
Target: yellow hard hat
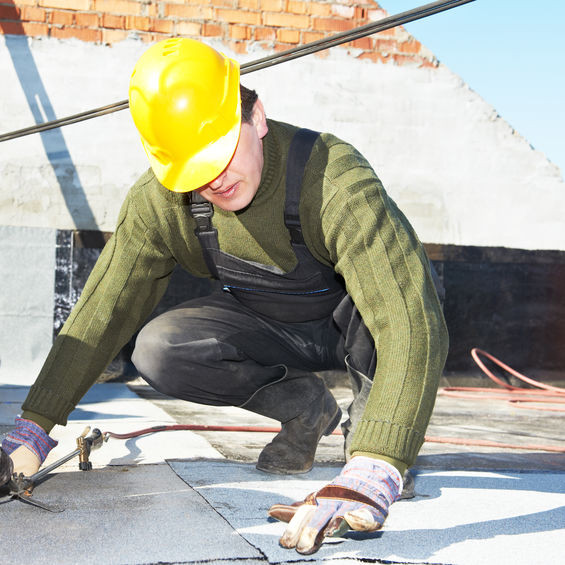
<point x="185" y="102"/>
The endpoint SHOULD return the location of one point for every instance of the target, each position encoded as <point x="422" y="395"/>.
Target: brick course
<point x="275" y="24"/>
<point x="78" y="5"/>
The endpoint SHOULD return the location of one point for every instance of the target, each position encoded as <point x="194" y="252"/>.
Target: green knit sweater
<point x="348" y="221"/>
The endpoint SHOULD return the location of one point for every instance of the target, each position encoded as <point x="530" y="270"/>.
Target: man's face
<point x="235" y="187"/>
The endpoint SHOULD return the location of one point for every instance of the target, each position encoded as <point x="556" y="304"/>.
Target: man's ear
<point x="259" y="119"/>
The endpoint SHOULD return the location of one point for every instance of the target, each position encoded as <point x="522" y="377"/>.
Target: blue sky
<point x="512" y="53"/>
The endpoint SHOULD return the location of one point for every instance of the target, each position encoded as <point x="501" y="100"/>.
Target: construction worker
<point x="319" y="268"/>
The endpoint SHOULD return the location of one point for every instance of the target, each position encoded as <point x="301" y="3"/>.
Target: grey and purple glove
<point x="29" y="434"/>
<point x="358" y="499"/>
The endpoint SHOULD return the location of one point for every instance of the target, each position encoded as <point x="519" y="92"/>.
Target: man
<point x="320" y="270"/>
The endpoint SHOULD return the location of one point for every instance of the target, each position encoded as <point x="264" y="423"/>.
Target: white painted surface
<point x="456" y="168"/>
<point x="457" y="517"/>
<point x="27" y="272"/>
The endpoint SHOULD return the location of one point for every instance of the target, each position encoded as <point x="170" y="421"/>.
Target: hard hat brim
<point x="185" y="101"/>
<point x="203" y="167"/>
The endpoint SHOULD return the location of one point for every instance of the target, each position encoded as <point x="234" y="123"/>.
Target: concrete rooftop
<point x="196" y="497"/>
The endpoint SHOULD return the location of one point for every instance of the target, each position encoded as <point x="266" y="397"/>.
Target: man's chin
<point x="234" y="205"/>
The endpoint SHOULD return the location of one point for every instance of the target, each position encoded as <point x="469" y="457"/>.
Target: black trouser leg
<point x="213" y="350"/>
<point x="360" y="356"/>
<point x="358" y="351"/>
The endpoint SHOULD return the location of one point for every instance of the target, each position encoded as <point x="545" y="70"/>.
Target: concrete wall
<point x="456" y="168"/>
<point x="74" y="176"/>
<point x="27" y="271"/>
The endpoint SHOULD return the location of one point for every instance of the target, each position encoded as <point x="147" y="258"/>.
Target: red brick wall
<point x="273" y="24"/>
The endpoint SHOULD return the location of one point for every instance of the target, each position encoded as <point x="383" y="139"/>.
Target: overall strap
<point x="298" y="155"/>
<point x="202" y="211"/>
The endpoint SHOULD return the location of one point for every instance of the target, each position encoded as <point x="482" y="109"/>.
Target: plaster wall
<point x="460" y="172"/>
<point x="27" y="271"/>
<point x="456" y="168"/>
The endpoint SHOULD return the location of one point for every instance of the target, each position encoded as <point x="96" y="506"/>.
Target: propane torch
<point x="20" y="487"/>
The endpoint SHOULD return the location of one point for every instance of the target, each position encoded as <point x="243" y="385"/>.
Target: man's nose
<point x="218" y="181"/>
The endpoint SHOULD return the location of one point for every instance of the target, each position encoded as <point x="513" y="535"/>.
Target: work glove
<point x="358" y="499"/>
<point x="28" y="445"/>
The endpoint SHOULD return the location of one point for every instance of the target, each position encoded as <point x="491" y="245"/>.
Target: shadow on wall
<point x="42" y="111"/>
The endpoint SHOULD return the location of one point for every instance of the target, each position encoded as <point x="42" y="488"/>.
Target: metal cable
<point x="269" y="61"/>
<point x="351" y="35"/>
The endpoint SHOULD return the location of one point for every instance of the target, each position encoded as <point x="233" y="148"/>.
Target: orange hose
<point x="515" y="395"/>
<point x="488" y="443"/>
<point x="277" y="429"/>
<point x="475" y="354"/>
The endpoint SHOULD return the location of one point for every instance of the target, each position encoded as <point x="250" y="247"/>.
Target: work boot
<point x="409" y="486"/>
<point x="306" y="409"/>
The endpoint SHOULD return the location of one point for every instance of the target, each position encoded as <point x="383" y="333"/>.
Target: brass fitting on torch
<point x="85" y="443"/>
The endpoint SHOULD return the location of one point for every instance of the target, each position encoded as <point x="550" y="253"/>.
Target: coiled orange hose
<point x="516" y="395"/>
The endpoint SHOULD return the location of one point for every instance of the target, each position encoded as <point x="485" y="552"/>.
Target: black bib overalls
<point x="221" y="349"/>
<point x="310" y="291"/>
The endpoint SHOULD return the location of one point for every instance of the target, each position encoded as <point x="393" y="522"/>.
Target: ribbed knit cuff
<point x="45" y="423"/>
<point x="31" y="435"/>
<point x="48" y="404"/>
<point x="384" y="438"/>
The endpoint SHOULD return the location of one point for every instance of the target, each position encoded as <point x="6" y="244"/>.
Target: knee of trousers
<point x="162" y="355"/>
<point x="149" y="354"/>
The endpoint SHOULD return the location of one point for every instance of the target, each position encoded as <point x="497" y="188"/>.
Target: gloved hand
<point x="25" y="461"/>
<point x="358" y="498"/>
<point x="28" y="445"/>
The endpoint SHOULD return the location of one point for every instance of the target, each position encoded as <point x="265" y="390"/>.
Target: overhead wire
<point x="264" y="62"/>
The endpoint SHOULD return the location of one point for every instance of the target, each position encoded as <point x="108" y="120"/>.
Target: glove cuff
<point x="31" y="435"/>
<point x="375" y="465"/>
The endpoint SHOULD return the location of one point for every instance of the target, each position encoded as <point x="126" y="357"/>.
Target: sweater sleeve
<point x="387" y="274"/>
<point x="125" y="285"/>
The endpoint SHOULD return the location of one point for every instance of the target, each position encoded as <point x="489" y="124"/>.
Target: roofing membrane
<point x="175" y="498"/>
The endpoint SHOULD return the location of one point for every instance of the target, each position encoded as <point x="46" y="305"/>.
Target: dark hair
<point x="248" y="99"/>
